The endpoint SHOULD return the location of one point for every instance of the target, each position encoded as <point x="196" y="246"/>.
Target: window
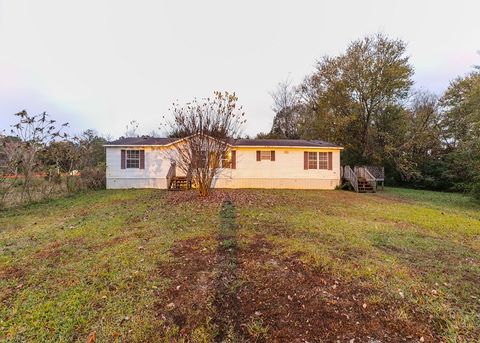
<point x="227" y="159"/>
<point x="133" y="159"/>
<point x="265" y="155"/>
<point x="323" y="160"/>
<point x="312" y="160"/>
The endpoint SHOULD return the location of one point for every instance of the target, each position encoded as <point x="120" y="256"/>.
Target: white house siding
<point x="157" y="163"/>
<point x="287" y="171"/>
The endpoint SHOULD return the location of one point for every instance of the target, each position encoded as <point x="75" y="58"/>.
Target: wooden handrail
<point x="370" y="178"/>
<point x="350" y="175"/>
<point x="370" y="174"/>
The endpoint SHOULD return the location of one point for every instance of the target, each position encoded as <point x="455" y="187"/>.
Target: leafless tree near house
<point x="131" y="130"/>
<point x="287" y="108"/>
<point x="208" y="126"/>
<point x="284" y="96"/>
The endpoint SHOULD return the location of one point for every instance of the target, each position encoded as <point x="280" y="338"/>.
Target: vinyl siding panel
<point x="157" y="163"/>
<point x="287" y="171"/>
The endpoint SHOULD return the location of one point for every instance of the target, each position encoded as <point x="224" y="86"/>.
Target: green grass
<point x="418" y="245"/>
<point x="89" y="262"/>
<point x="440" y="200"/>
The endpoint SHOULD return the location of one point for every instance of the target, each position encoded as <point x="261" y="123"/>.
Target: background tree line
<point x="364" y="100"/>
<point x="38" y="160"/>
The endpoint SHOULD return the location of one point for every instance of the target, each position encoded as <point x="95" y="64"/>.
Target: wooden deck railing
<point x="377" y="172"/>
<point x="349" y="174"/>
<point x="361" y="174"/>
<point x="370" y="179"/>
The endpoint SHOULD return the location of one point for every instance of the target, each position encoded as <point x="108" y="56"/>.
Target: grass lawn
<point x="269" y="265"/>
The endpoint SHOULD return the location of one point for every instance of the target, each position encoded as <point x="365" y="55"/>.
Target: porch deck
<point x="363" y="179"/>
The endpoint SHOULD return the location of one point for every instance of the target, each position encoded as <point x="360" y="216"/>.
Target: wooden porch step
<point x="179" y="183"/>
<point x="364" y="186"/>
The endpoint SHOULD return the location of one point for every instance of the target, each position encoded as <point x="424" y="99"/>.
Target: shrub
<point x="93" y="178"/>
<point x="476" y="190"/>
<point x="73" y="183"/>
<point x="53" y="176"/>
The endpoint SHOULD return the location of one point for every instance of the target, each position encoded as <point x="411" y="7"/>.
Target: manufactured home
<point x="146" y="162"/>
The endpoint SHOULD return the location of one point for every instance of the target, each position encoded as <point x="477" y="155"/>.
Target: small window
<point x="265" y="155"/>
<point x="227" y="159"/>
<point x="312" y="160"/>
<point x="133" y="159"/>
<point x="323" y="160"/>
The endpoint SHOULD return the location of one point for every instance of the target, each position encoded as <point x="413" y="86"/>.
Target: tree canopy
<point x="364" y="100"/>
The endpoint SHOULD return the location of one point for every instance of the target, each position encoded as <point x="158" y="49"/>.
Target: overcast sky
<point x="99" y="64"/>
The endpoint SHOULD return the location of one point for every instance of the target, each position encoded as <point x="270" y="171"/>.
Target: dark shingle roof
<point x="285" y="143"/>
<point x="144" y="140"/>
<point x="239" y="142"/>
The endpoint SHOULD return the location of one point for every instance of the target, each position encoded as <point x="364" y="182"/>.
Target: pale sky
<point x="99" y="64"/>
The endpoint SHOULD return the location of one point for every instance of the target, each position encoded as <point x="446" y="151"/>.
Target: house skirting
<point x="131" y="182"/>
<point x="276" y="183"/>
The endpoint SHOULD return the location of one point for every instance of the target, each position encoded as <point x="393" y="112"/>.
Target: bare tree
<point x="288" y="114"/>
<point x="284" y="96"/>
<point x="131" y="129"/>
<point x="9" y="160"/>
<point x="208" y="127"/>
<point x="154" y="133"/>
<point x="34" y="132"/>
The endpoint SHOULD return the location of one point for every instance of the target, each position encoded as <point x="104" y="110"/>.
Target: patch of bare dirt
<point x="53" y="251"/>
<point x="186" y="304"/>
<point x="49" y="251"/>
<point x="218" y="196"/>
<point x="298" y="303"/>
<point x="10" y="272"/>
<point x="269" y="298"/>
<point x="109" y="243"/>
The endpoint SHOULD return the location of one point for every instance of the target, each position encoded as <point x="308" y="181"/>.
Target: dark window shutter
<point x="273" y="155"/>
<point x="122" y="159"/>
<point x="330" y="167"/>
<point x="142" y="159"/>
<point x="234" y="159"/>
<point x="258" y="155"/>
<point x="305" y="160"/>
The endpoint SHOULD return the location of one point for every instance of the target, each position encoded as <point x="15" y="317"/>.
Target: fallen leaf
<point x="92" y="337"/>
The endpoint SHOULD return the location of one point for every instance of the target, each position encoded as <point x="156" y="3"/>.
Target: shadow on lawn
<point x="225" y="302"/>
